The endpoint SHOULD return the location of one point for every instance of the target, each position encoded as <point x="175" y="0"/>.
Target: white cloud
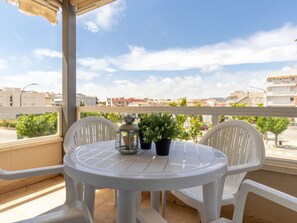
<point x="3" y="63"/>
<point x="94" y="64"/>
<point x="104" y="18"/>
<point x="47" y="81"/>
<point x="121" y="82"/>
<point x="263" y="47"/>
<point x="91" y="26"/>
<point x="41" y="53"/>
<point x="86" y="75"/>
<point x="221" y="84"/>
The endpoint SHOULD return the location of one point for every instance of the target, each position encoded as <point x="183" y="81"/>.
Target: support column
<point x="69" y="64"/>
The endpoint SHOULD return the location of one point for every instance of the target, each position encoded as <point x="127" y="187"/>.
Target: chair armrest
<point x="269" y="193"/>
<point x="241" y="168"/>
<point x="17" y="174"/>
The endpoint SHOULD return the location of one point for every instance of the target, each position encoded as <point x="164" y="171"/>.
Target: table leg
<point x="89" y="198"/>
<point x="126" y="208"/>
<point x="155" y="200"/>
<point x="212" y="197"/>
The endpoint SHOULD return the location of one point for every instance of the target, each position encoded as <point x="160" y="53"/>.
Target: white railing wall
<point x="281" y="165"/>
<point x="215" y="112"/>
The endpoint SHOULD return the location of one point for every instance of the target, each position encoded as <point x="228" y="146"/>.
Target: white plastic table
<point x="100" y="165"/>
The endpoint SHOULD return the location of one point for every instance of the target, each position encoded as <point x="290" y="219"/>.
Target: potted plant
<point x="143" y="124"/>
<point x="163" y="128"/>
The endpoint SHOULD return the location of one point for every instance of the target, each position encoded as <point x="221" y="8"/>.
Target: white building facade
<point x="81" y="100"/>
<point x="281" y="90"/>
<point x="15" y="97"/>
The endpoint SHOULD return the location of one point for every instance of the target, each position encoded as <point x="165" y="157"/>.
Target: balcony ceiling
<point x="49" y="8"/>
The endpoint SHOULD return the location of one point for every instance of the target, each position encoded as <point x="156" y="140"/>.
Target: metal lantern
<point x="127" y="136"/>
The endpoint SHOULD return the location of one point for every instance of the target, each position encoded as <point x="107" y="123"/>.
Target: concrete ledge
<point x="280" y="165"/>
<point x="29" y="153"/>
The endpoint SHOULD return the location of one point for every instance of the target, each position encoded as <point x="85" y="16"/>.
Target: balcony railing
<point x="213" y="112"/>
<point x="280" y="83"/>
<point x="282" y="94"/>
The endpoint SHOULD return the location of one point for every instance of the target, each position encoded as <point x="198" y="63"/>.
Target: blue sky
<point x="155" y="48"/>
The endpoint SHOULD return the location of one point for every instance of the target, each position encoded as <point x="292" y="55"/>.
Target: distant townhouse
<point x="81" y="100"/>
<point x="128" y="102"/>
<point x="245" y="97"/>
<point x="281" y="90"/>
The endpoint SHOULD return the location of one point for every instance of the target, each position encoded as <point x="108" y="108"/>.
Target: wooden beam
<point x="89" y="5"/>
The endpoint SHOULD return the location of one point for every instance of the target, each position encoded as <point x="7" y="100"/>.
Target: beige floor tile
<point x="35" y="199"/>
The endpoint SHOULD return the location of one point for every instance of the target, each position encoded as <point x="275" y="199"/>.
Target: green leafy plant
<point x="37" y="125"/>
<point x="250" y="119"/>
<point x="115" y="118"/>
<point x="144" y="121"/>
<point x="163" y="126"/>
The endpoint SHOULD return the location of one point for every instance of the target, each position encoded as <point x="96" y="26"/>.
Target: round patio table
<point x="100" y="165"/>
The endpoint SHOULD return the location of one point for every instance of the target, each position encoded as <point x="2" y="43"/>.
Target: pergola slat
<point x="49" y="8"/>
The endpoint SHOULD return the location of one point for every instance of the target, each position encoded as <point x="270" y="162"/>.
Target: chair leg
<point x="201" y="216"/>
<point x="115" y="197"/>
<point x="89" y="198"/>
<point x="163" y="208"/>
<point x="138" y="201"/>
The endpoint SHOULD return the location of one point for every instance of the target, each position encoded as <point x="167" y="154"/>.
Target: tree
<point x="37" y="125"/>
<point x="272" y="124"/>
<point x="250" y="119"/>
<point x="115" y="118"/>
<point x="183" y="102"/>
<point x="277" y="126"/>
<point x="173" y="104"/>
<point x="262" y="124"/>
<point x="181" y="119"/>
<point x="195" y="125"/>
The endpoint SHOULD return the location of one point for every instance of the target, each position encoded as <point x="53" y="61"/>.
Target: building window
<point x="291" y="99"/>
<point x="11" y="100"/>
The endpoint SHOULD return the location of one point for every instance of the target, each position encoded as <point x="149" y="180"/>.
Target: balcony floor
<point x="37" y="198"/>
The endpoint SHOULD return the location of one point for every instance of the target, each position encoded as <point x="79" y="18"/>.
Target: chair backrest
<point x="89" y="130"/>
<point x="269" y="193"/>
<point x="243" y="145"/>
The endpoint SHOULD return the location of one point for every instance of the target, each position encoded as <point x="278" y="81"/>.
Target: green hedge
<point x="36" y="125"/>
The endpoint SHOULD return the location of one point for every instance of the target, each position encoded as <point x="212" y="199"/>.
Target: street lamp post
<point x="22" y="91"/>
<point x="266" y="105"/>
<point x="265" y="94"/>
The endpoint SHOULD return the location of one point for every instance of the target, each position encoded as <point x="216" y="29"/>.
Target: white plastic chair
<point x="244" y="147"/>
<point x="89" y="130"/>
<point x="85" y="131"/>
<point x="72" y="211"/>
<point x="269" y="193"/>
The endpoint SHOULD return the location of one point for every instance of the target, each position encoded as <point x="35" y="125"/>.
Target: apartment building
<point x="15" y="97"/>
<point x="281" y="90"/>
